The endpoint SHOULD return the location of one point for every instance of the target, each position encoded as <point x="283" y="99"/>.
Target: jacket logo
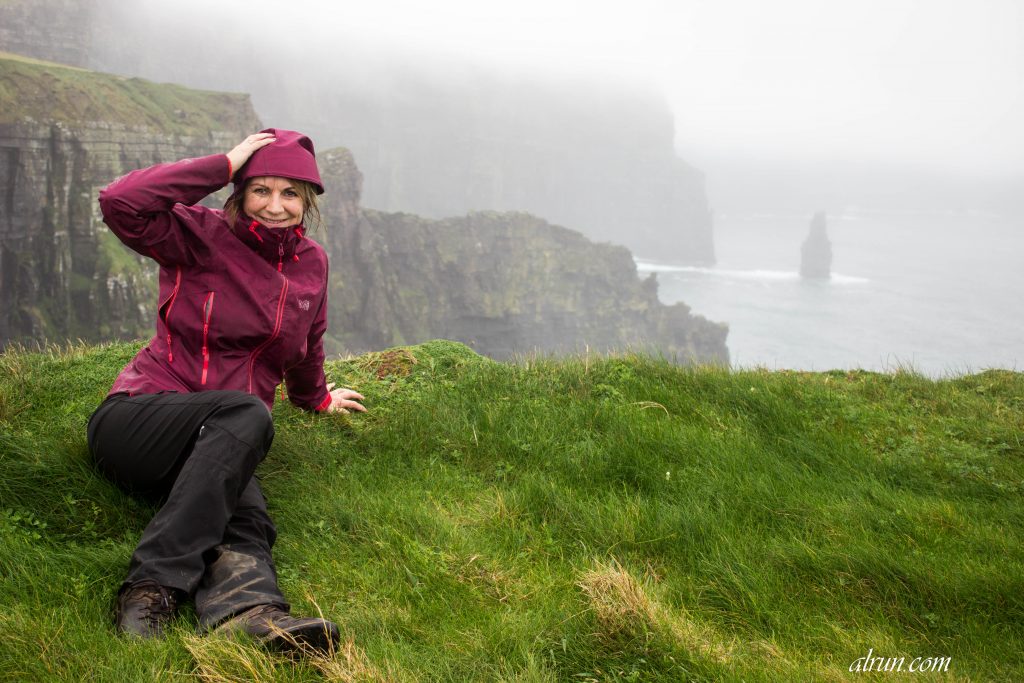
<point x="304" y="304"/>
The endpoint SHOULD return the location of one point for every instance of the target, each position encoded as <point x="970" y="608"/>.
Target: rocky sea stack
<point x="816" y="252"/>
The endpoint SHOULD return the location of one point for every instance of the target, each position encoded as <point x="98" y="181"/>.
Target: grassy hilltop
<point x="36" y="90"/>
<point x="589" y="519"/>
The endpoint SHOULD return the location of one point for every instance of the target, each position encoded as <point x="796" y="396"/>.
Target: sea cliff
<point x="500" y="282"/>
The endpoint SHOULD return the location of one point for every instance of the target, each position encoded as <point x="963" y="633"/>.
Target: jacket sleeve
<point x="306" y="382"/>
<point x="147" y="209"/>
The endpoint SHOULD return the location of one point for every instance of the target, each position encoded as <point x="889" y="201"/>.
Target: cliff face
<point x="502" y="283"/>
<point x="64" y="134"/>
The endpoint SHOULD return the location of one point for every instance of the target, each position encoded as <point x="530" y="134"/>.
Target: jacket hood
<point x="291" y="155"/>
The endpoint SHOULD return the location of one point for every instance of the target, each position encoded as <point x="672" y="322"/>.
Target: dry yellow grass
<point x="220" y="659"/>
<point x="624" y="609"/>
<point x="349" y="664"/>
<point x="223" y="660"/>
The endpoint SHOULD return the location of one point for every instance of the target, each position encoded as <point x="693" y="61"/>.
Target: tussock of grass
<point x="624" y="610"/>
<point x="582" y="519"/>
<point x="620" y="604"/>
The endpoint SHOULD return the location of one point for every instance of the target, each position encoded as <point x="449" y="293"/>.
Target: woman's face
<point x="273" y="201"/>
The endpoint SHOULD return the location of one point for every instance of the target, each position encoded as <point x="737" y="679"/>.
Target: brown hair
<point x="306" y="191"/>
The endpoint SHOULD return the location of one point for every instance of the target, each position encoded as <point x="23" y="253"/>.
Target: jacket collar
<point x="277" y="246"/>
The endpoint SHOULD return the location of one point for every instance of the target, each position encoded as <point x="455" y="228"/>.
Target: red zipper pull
<point x="170" y="354"/>
<point x="206" y="365"/>
<point x="207" y="314"/>
<point x="280" y="256"/>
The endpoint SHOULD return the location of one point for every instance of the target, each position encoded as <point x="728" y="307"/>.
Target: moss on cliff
<point x="113" y="257"/>
<point x="31" y="89"/>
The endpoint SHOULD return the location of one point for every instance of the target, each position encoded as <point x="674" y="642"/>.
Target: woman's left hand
<point x="345" y="400"/>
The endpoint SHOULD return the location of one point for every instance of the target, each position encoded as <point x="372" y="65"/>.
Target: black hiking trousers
<point x="195" y="454"/>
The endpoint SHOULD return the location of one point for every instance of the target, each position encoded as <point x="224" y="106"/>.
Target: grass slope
<point x="586" y="519"/>
<point x="74" y="96"/>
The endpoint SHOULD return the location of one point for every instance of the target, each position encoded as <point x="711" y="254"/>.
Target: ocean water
<point x="937" y="292"/>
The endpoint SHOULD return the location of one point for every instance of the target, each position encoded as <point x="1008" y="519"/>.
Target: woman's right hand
<point x="241" y="153"/>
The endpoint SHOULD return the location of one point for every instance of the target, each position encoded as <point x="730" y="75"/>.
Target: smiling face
<point x="275" y="202"/>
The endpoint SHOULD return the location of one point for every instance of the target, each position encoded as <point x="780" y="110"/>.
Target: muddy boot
<point x="234" y="583"/>
<point x="277" y="630"/>
<point x="145" y="607"/>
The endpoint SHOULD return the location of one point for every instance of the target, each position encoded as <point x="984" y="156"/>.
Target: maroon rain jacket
<point x="241" y="306"/>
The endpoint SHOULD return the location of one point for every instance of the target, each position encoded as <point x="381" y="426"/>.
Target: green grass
<point x="71" y="95"/>
<point x="584" y="519"/>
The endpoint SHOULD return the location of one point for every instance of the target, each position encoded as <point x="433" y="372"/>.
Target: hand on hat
<point x="241" y="153"/>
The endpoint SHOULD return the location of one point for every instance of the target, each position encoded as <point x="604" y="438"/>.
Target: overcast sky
<point x="932" y="83"/>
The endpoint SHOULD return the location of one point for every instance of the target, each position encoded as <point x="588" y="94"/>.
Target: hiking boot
<point x="277" y="630"/>
<point x="144" y="607"/>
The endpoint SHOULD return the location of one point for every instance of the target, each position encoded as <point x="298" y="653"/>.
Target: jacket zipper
<point x="273" y="336"/>
<point x="207" y="314"/>
<point x="167" y="316"/>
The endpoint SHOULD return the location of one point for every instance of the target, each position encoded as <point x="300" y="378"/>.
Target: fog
<point x="937" y="86"/>
<point x="898" y="88"/>
<point x="900" y="118"/>
<point x="923" y="83"/>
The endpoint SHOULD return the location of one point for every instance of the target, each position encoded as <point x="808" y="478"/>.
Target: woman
<point x="243" y="301"/>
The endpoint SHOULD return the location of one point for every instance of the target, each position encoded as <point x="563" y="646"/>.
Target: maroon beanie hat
<point x="291" y="155"/>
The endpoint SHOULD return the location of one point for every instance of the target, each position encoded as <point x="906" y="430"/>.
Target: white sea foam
<point x="841" y="279"/>
<point x="739" y="274"/>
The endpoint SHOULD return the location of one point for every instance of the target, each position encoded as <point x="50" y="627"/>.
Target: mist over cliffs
<point x="435" y="139"/>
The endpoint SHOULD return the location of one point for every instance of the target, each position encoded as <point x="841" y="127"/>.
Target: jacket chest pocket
<point x="297" y="308"/>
